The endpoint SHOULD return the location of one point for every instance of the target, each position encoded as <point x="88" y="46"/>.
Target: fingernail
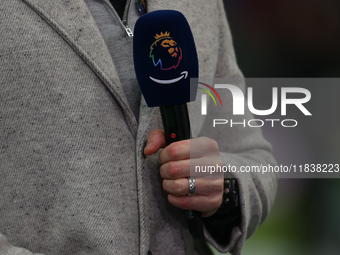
<point x="148" y="145"/>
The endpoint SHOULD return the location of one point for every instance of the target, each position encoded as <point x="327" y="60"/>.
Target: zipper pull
<point x="128" y="31"/>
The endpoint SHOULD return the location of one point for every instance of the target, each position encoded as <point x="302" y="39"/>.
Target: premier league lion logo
<point x="165" y="52"/>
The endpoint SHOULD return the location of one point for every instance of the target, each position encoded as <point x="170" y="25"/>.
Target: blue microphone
<point x="165" y="60"/>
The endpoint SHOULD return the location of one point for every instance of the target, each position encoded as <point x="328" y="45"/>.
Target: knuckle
<point x="184" y="203"/>
<point x="173" y="169"/>
<point x="162" y="170"/>
<point x="178" y="186"/>
<point x="174" y="151"/>
<point x="212" y="145"/>
<point x="165" y="185"/>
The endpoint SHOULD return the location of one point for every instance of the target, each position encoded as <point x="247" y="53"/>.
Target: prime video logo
<point x="239" y="105"/>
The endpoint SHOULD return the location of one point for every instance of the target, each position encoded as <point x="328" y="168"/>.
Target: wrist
<point x="221" y="223"/>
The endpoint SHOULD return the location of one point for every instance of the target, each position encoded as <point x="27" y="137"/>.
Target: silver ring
<point x="192" y="187"/>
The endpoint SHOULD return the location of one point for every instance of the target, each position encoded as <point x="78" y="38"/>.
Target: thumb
<point x="156" y="140"/>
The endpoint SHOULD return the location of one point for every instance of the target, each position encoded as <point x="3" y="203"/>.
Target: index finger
<point x="175" y="151"/>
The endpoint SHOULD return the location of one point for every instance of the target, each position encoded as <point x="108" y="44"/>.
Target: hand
<point x="175" y="171"/>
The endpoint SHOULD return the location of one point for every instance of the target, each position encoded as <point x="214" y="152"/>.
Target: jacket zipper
<point x="125" y="19"/>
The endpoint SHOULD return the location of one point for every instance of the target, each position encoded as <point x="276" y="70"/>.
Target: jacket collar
<point x="73" y="21"/>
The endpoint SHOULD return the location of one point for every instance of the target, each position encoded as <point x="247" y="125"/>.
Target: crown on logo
<point x="166" y="34"/>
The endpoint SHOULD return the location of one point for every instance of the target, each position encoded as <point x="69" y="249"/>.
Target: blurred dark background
<point x="277" y="38"/>
<point x="300" y="39"/>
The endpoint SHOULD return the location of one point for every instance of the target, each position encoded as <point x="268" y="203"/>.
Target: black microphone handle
<point x="176" y="128"/>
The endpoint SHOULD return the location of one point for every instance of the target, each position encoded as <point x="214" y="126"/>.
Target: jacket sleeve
<point x="240" y="146"/>
<point x="7" y="249"/>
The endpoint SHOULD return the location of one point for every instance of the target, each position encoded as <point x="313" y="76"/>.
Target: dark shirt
<point x="119" y="6"/>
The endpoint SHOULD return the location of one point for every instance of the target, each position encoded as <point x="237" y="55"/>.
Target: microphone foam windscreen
<point x="165" y="58"/>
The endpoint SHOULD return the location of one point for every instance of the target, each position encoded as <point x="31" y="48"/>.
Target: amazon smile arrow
<point x="184" y="75"/>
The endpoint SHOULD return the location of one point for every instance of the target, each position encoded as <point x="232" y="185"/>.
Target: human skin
<point x="175" y="170"/>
